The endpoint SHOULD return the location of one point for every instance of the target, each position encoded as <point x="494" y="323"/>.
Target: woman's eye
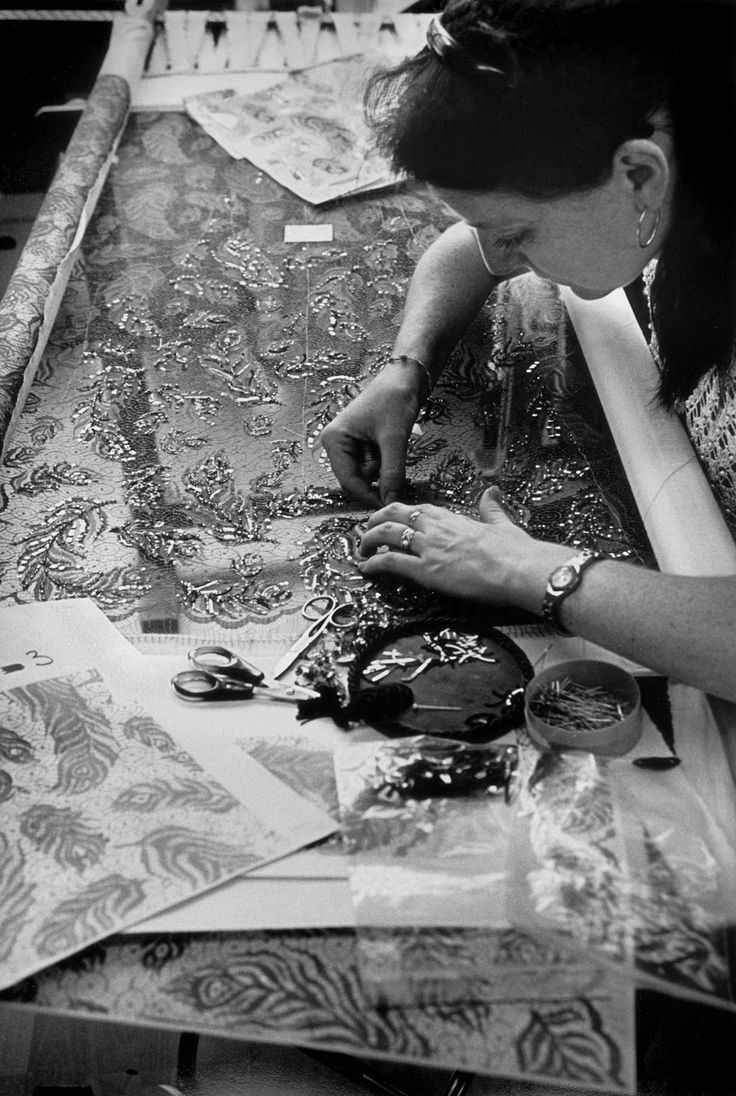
<point x="507" y="243"/>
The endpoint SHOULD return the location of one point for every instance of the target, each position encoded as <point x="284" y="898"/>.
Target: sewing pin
<point x="436" y="708"/>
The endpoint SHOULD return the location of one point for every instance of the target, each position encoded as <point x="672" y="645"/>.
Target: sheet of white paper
<point x="250" y="904"/>
<point x="108" y="817"/>
<point x="304" y="132"/>
<point x="230" y="738"/>
<point x="304" y="233"/>
<point x="48" y="638"/>
<point x="169" y="92"/>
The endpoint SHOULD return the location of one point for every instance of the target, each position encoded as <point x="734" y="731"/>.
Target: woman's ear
<point x="643" y="169"/>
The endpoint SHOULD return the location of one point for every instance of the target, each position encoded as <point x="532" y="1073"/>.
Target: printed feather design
<point x="187" y="855"/>
<point x="145" y="729"/>
<point x="568" y="1040"/>
<point x="16" y="895"/>
<point x="62" y="833"/>
<point x="83" y="741"/>
<point x="94" y="911"/>
<point x="14" y="748"/>
<point x="155" y="795"/>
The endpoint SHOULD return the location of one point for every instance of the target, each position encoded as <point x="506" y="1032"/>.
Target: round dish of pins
<point x="584" y="704"/>
<point x="468" y="682"/>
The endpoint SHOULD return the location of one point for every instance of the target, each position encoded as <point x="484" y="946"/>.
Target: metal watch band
<point x="561" y="583"/>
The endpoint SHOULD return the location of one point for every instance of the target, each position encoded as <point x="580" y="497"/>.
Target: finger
<point x="370" y="462"/>
<point x="399" y="564"/>
<point x="390" y="533"/>
<point x="358" y="489"/>
<point x="393" y="467"/>
<point x="395" y="511"/>
<point x="413" y="517"/>
<point x="491" y="508"/>
<point x="351" y="472"/>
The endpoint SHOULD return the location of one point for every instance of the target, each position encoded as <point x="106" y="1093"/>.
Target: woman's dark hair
<point x="580" y="78"/>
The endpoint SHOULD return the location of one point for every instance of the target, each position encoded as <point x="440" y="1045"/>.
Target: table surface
<point x="165" y="465"/>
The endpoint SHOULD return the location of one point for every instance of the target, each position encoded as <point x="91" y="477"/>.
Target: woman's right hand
<point x="367" y="441"/>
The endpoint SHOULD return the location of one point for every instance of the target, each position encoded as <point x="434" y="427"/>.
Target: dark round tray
<point x="490" y="694"/>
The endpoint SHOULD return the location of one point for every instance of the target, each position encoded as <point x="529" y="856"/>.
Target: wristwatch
<point x="561" y="583"/>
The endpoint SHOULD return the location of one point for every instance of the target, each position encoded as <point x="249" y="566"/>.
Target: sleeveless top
<point x="709" y="416"/>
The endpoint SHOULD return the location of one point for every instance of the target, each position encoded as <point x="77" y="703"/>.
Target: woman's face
<point x="587" y="240"/>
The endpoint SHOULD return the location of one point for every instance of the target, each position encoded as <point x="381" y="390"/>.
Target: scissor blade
<point x="291" y="693"/>
<point x="287" y="660"/>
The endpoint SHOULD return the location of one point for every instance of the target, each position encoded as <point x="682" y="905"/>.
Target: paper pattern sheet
<point x="305" y="988"/>
<point x="307" y="132"/>
<point x="235" y="739"/>
<point x="105" y="820"/>
<point x="106" y="815"/>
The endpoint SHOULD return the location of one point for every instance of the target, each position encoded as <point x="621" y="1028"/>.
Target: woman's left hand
<point x="490" y="560"/>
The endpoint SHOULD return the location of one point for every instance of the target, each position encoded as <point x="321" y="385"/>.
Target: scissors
<point x="219" y="674"/>
<point x="322" y="611"/>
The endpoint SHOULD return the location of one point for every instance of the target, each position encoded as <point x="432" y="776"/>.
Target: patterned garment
<point x="709" y="415"/>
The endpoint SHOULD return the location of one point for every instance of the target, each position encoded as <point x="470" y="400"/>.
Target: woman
<point x="581" y="140"/>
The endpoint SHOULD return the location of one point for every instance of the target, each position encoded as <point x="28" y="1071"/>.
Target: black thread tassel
<point x="326" y="704"/>
<point x="379" y="704"/>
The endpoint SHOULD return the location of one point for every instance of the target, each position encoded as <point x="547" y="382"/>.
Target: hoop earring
<point x="644" y="244"/>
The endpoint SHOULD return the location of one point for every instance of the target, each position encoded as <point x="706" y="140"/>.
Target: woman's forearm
<point x="366" y="442"/>
<point x="447" y="290"/>
<point x="684" y="627"/>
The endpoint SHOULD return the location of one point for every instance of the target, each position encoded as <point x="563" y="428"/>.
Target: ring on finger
<point x="406" y="538"/>
<point x="413" y="516"/>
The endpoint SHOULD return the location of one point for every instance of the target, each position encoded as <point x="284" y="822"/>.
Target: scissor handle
<point x="343" y="615"/>
<point x="324" y="609"/>
<point x="221" y="662"/>
<point x="200" y="685"/>
<point x="319" y="607"/>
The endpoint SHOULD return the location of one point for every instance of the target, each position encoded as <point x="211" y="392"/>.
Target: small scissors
<point x="322" y="610"/>
<point x="219" y="674"/>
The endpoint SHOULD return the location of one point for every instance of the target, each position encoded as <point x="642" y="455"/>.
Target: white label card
<point x="300" y="234"/>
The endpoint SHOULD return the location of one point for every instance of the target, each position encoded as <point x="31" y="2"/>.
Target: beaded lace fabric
<point x="165" y="464"/>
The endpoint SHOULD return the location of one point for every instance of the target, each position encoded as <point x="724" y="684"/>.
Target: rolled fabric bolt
<point x="682" y="518"/>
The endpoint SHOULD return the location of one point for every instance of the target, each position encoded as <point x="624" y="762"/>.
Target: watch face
<point x="563" y="578"/>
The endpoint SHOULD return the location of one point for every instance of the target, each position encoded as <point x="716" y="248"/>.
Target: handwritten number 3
<point x="39" y="660"/>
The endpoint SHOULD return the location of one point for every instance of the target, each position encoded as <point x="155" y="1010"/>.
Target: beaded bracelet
<point x="404" y="359"/>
